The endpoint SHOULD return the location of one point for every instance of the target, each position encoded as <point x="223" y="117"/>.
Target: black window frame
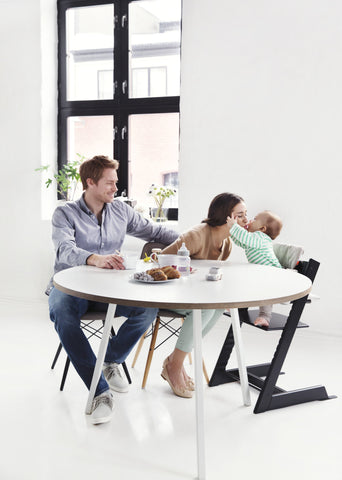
<point x="121" y="106"/>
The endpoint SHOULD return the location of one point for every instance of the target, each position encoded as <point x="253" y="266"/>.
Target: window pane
<point x="154" y="46"/>
<point x="105" y="84"/>
<point x="153" y="155"/>
<point x="158" y="78"/>
<point x="90" y="43"/>
<point x="140" y="82"/>
<point x="89" y="136"/>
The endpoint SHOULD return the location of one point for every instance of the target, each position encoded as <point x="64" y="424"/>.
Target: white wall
<point x="28" y="128"/>
<point x="261" y="115"/>
<point x="269" y="73"/>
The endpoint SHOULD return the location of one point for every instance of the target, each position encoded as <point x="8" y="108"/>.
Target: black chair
<point x="92" y="325"/>
<point x="264" y="376"/>
<point x="164" y="320"/>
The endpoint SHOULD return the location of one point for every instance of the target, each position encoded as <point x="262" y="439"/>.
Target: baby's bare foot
<point x="261" y="322"/>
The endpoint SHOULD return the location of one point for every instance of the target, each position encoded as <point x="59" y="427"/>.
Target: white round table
<point x="242" y="285"/>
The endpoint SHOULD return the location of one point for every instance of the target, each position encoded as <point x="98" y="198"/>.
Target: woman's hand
<point x="230" y="222"/>
<point x="114" y="262"/>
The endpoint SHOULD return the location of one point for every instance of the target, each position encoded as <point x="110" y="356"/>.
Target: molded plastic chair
<point x="159" y="323"/>
<point x="92" y="325"/>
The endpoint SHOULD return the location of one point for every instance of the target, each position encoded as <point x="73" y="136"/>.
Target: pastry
<point x="157" y="274"/>
<point x="143" y="277"/>
<point x="152" y="270"/>
<point x="171" y="272"/>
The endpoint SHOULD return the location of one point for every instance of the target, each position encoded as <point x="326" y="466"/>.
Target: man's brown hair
<point x="93" y="168"/>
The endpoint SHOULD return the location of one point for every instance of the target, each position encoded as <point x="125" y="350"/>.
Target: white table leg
<point x="101" y="355"/>
<point x="240" y="356"/>
<point x="197" y="328"/>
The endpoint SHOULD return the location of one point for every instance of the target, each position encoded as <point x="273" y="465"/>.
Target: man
<point x="90" y="231"/>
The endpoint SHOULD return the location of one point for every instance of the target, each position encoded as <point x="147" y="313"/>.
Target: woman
<point x="207" y="241"/>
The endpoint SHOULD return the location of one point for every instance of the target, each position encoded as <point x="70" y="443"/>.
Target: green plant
<point x="160" y="194"/>
<point x="66" y="178"/>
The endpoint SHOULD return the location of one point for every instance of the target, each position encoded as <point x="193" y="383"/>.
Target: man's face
<point x="105" y="189"/>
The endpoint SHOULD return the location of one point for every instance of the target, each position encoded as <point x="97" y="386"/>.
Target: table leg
<point x="240" y="356"/>
<point x="197" y="328"/>
<point x="101" y="355"/>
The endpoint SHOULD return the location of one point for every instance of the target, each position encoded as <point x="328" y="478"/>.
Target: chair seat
<point x="94" y="316"/>
<point x="169" y="314"/>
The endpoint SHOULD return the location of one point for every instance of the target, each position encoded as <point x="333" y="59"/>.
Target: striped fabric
<point x="257" y="245"/>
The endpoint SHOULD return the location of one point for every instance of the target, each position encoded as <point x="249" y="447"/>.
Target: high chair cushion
<point x="288" y="255"/>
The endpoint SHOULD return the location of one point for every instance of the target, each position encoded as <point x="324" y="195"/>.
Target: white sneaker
<point x="102" y="407"/>
<point x="113" y="376"/>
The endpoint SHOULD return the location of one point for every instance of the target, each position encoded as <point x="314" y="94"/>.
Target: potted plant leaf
<point x="67" y="178"/>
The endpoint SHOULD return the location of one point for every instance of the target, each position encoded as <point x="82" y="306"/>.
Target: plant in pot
<point x="160" y="194"/>
<point x="67" y="178"/>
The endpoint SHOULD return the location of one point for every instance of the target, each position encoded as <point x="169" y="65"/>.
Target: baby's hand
<point x="230" y="222"/>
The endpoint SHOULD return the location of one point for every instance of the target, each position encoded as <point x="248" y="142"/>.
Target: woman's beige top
<point x="200" y="243"/>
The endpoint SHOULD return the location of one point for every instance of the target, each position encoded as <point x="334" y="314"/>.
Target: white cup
<point x="130" y="261"/>
<point x="166" y="260"/>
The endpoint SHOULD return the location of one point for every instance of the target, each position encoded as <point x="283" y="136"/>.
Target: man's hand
<point x="230" y="222"/>
<point x="106" y="261"/>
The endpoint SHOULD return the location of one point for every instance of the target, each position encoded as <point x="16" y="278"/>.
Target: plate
<point x="152" y="281"/>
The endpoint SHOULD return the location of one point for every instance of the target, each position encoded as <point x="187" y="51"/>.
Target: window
<point x="170" y="179"/>
<point x="105" y="84"/>
<point x="149" y="82"/>
<point x="118" y="87"/>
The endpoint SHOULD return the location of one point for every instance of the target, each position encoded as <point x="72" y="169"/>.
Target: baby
<point x="257" y="243"/>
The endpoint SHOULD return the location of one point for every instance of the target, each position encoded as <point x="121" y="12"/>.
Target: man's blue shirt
<point x="77" y="233"/>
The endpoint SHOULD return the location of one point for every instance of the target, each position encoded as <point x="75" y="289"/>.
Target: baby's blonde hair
<point x="273" y="224"/>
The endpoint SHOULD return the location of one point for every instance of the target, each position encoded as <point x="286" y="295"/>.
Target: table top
<point x="242" y="285"/>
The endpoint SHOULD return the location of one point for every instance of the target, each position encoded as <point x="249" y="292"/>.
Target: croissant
<point x="157" y="274"/>
<point x="152" y="270"/>
<point x="171" y="272"/>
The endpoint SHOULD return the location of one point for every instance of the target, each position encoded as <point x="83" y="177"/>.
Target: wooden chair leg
<point x="140" y="344"/>
<point x="205" y="373"/>
<point x="151" y="350"/>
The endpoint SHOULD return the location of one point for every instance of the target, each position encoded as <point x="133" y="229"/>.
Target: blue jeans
<point x="66" y="312"/>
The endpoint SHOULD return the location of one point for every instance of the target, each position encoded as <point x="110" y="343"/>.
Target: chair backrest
<point x="147" y="248"/>
<point x="288" y="255"/>
<point x="309" y="268"/>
